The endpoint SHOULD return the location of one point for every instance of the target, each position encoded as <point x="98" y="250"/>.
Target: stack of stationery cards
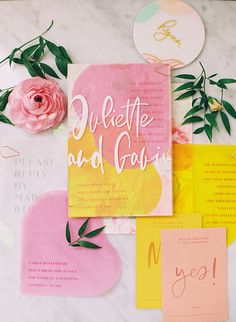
<point x="120" y="165"/>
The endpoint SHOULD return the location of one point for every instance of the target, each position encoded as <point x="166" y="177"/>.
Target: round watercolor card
<point x="169" y="31"/>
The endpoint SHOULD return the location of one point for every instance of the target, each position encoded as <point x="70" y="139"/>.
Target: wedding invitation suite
<point x="148" y="256"/>
<point x="194" y="275"/>
<point x="119" y="140"/>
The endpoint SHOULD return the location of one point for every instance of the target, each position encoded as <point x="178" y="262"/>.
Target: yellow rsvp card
<point x="148" y="265"/>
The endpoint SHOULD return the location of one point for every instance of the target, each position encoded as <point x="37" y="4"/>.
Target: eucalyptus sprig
<point x="206" y="109"/>
<point x="81" y="242"/>
<point x="30" y="55"/>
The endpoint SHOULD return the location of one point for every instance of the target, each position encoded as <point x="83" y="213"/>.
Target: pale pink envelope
<point x="194" y="275"/>
<point x="50" y="267"/>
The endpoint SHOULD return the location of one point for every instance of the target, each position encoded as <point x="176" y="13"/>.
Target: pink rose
<point x="37" y="104"/>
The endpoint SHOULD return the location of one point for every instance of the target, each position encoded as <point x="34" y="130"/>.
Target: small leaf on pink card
<point x="50" y="267"/>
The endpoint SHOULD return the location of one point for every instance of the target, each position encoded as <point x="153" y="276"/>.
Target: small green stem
<point x="222" y="96"/>
<point x="76" y="241"/>
<point x="203" y="69"/>
<point x="28" y="42"/>
<point x="204" y="89"/>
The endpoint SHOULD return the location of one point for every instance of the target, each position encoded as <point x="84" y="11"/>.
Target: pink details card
<point x="194" y="275"/>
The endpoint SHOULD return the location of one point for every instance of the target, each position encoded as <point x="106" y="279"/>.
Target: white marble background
<point x="100" y="31"/>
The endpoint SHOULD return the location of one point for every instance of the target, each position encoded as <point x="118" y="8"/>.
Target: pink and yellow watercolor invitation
<point x="194" y="275"/>
<point x="119" y="144"/>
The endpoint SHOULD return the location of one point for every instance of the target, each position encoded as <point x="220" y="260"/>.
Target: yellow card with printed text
<point x="214" y="173"/>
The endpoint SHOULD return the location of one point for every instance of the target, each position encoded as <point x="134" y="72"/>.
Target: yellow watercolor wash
<point x="183" y="178"/>
<point x="93" y="194"/>
<point x="148" y="259"/>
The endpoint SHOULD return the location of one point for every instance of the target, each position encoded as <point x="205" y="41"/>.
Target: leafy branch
<point x="30" y="55"/>
<point x="80" y="242"/>
<point x="206" y="109"/>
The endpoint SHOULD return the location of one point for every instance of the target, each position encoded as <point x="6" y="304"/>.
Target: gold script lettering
<point x="164" y="32"/>
<point x="153" y="254"/>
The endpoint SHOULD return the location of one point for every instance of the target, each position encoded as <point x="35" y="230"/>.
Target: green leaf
<point x="62" y="65"/>
<point x="12" y="55"/>
<point x="213" y="75"/>
<point x="193" y="119"/>
<point x="94" y="232"/>
<point x="199" y="83"/>
<point x="38" y="70"/>
<point x="75" y="245"/>
<point x="83" y="228"/>
<point x="186" y="76"/>
<point x="185" y="95"/>
<point x="5" y="119"/>
<point x="211" y="119"/>
<point x="229" y="109"/>
<point x="38" y="52"/>
<point x="218" y="84"/>
<point x="4" y="100"/>
<point x="204" y="99"/>
<point x="87" y="244"/>
<point x="48" y="70"/>
<point x="68" y="235"/>
<point x="225" y="121"/>
<point x="199" y="130"/>
<point x="29" y="51"/>
<point x="28" y="65"/>
<point x="18" y="61"/>
<point x="184" y="86"/>
<point x="227" y="80"/>
<point x="193" y="110"/>
<point x="54" y="49"/>
<point x="208" y="130"/>
<point x="213" y="82"/>
<point x="41" y="41"/>
<point x="194" y="101"/>
<point x="65" y="54"/>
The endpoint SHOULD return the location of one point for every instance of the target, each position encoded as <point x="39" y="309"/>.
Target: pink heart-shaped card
<point x="50" y="266"/>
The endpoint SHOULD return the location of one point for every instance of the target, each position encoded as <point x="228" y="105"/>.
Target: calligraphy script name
<point x="164" y="31"/>
<point x="132" y="119"/>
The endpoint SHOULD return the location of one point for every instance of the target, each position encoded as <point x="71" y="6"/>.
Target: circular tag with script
<point x="170" y="32"/>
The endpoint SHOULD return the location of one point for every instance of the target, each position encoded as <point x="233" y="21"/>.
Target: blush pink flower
<point x="37" y="104"/>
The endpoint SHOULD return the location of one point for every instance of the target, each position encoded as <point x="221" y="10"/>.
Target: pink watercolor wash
<point x="121" y="81"/>
<point x="50" y="267"/>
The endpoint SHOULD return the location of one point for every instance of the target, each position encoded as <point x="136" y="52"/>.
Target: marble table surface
<point x="98" y="31"/>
